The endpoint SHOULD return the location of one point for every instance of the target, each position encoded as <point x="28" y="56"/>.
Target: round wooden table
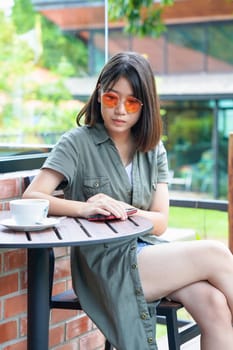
<point x="67" y="232"/>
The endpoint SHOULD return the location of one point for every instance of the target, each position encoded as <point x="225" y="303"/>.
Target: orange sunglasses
<point x="111" y="100"/>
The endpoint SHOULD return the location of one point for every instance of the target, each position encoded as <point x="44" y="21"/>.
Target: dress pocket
<point x="96" y="185"/>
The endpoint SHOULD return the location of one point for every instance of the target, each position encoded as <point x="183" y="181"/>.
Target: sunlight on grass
<point x="208" y="224"/>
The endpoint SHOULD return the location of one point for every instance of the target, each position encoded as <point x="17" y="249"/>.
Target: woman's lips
<point x="118" y="121"/>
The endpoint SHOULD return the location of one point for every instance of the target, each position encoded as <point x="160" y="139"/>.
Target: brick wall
<point x="69" y="329"/>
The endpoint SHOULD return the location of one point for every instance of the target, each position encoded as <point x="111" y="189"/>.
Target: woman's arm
<point x="47" y="181"/>
<point x="159" y="209"/>
<point x="43" y="186"/>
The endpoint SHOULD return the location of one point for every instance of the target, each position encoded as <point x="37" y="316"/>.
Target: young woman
<point x="115" y="160"/>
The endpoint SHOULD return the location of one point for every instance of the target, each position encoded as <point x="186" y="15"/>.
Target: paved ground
<point x="193" y="344"/>
<point x="188" y="194"/>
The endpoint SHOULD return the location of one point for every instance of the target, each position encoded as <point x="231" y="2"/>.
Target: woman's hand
<point x="47" y="180"/>
<point x="105" y="205"/>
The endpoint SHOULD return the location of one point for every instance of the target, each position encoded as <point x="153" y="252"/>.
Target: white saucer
<point x="48" y="222"/>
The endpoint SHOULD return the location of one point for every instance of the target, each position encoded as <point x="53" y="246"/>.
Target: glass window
<point x="189" y="134"/>
<point x="220" y="47"/>
<point x="185" y="49"/>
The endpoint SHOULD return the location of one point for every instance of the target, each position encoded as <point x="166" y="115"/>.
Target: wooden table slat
<point x="9" y="237"/>
<point x="47" y="235"/>
<point x="97" y="229"/>
<point x="71" y="231"/>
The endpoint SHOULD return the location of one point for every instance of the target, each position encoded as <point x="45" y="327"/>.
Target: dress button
<point x="144" y="316"/>
<point x="134" y="266"/>
<point x="96" y="184"/>
<point x="150" y="340"/>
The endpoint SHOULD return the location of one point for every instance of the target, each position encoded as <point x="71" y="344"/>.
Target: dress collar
<point x="99" y="133"/>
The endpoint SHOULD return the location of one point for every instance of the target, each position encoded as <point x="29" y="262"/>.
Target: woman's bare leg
<point x="165" y="268"/>
<point x="209" y="308"/>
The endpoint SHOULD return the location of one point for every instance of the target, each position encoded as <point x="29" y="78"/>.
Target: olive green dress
<point x="105" y="276"/>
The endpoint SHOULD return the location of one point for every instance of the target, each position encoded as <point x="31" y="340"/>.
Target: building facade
<point x="193" y="66"/>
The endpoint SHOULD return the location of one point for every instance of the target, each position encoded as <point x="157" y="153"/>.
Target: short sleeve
<point x="64" y="157"/>
<point x="162" y="163"/>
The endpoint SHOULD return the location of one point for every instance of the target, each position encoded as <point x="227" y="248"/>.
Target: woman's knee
<point x="206" y="304"/>
<point x="215" y="310"/>
<point x="215" y="247"/>
<point x="217" y="252"/>
<point x="217" y="305"/>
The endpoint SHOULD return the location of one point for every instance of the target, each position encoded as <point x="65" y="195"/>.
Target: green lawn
<point x="211" y="224"/>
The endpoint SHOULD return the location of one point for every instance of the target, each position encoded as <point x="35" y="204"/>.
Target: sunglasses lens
<point x="132" y="105"/>
<point x="110" y="100"/>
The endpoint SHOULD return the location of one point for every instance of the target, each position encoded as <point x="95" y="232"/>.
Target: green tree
<point x="28" y="104"/>
<point x="142" y="17"/>
<point x="15" y="55"/>
<point x="16" y="59"/>
<point x="23" y="16"/>
<point x="61" y="53"/>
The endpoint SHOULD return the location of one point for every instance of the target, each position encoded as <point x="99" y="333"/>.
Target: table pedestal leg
<point x="38" y="299"/>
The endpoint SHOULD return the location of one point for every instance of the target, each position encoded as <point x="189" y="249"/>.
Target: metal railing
<point x="34" y="161"/>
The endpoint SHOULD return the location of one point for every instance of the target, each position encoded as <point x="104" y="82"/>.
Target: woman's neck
<point x="126" y="148"/>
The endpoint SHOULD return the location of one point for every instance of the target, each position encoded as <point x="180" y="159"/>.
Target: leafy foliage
<point x="23" y="16"/>
<point x="15" y="55"/>
<point x="28" y="42"/>
<point x="142" y="16"/>
<point x="62" y="53"/>
<point x="188" y="129"/>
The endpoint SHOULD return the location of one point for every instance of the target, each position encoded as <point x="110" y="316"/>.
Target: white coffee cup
<point x="29" y="211"/>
